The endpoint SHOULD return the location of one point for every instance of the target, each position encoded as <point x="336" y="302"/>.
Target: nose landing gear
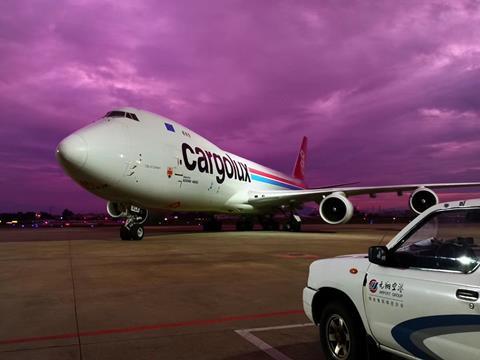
<point x="133" y="227"/>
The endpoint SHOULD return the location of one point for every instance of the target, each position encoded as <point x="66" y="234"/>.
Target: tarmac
<point x="82" y="293"/>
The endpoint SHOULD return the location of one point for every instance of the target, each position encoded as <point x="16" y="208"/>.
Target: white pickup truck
<point x="417" y="297"/>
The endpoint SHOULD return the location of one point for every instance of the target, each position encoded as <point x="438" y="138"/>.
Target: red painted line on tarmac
<point x="138" y="329"/>
<point x="37" y="338"/>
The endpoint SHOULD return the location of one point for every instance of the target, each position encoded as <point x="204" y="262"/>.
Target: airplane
<point x="137" y="160"/>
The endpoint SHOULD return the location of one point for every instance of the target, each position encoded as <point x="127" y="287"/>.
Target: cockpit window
<point x="115" y="114"/>
<point x="122" y="114"/>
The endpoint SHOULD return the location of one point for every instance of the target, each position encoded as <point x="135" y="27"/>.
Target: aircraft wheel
<point x="270" y="225"/>
<point x="244" y="224"/>
<point x="295" y="226"/>
<point x="218" y="226"/>
<point x="212" y="225"/>
<point x="137" y="232"/>
<point x="125" y="233"/>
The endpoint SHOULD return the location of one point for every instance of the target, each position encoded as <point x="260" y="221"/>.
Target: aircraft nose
<point x="72" y="152"/>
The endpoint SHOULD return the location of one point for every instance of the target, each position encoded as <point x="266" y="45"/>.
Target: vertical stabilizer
<point x="299" y="169"/>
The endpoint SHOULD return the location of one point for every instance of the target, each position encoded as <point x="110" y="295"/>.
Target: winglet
<point x="299" y="169"/>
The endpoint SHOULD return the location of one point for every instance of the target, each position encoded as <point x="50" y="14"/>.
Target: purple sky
<point x="388" y="92"/>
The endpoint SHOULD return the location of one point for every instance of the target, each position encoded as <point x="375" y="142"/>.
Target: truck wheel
<point x="341" y="333"/>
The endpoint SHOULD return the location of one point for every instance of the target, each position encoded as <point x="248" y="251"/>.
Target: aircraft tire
<point x="270" y="225"/>
<point x="292" y="225"/>
<point x="212" y="225"/>
<point x="137" y="232"/>
<point x="244" y="224"/>
<point x="295" y="226"/>
<point x="217" y="226"/>
<point x="125" y="233"/>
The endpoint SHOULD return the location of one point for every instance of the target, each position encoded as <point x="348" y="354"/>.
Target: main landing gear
<point x="212" y="224"/>
<point x="245" y="223"/>
<point x="269" y="223"/>
<point x="133" y="227"/>
<point x="294" y="223"/>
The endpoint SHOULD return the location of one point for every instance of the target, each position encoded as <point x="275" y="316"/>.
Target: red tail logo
<point x="299" y="169"/>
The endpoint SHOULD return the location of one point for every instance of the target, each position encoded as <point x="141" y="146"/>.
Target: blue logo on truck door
<point x="373" y="286"/>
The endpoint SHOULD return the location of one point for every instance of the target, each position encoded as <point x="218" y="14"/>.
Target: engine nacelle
<point x="421" y="199"/>
<point x="116" y="210"/>
<point x="336" y="209"/>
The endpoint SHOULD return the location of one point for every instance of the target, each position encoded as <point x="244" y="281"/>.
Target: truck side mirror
<point x="378" y="255"/>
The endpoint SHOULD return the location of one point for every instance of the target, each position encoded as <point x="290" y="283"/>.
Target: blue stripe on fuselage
<point x="273" y="182"/>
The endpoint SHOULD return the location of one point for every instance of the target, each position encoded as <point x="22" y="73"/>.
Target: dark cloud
<point x="386" y="91"/>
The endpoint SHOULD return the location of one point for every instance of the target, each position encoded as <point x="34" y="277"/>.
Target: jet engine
<point x="336" y="209"/>
<point x="116" y="209"/>
<point x="421" y="199"/>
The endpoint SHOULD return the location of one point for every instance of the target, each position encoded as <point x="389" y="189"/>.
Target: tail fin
<point x="299" y="169"/>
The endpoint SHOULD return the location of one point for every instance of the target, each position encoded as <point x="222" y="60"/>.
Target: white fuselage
<point x="158" y="163"/>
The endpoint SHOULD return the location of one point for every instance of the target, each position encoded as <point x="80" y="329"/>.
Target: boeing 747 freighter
<point x="137" y="160"/>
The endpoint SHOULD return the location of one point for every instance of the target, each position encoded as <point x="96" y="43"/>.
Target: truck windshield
<point x="445" y="240"/>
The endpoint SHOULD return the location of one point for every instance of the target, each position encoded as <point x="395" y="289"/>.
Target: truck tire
<point x="341" y="333"/>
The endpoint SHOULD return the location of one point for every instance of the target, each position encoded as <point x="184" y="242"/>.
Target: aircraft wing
<point x="282" y="197"/>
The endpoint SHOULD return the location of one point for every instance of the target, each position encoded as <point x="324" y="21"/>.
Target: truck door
<point x="426" y="302"/>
